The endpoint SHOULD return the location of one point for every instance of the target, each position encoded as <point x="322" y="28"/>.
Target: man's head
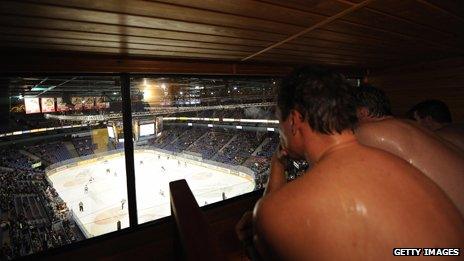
<point x="432" y="114"/>
<point x="371" y="103"/>
<point x="316" y="98"/>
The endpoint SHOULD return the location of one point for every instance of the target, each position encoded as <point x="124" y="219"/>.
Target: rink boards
<point x="207" y="180"/>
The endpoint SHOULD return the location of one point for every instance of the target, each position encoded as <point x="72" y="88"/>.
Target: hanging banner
<point x="48" y="104"/>
<point x="89" y="103"/>
<point x="101" y="104"/>
<point x="78" y="103"/>
<point x="32" y="105"/>
<point x="61" y="105"/>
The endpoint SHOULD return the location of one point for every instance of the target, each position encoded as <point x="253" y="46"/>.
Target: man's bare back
<point x="441" y="162"/>
<point x="357" y="203"/>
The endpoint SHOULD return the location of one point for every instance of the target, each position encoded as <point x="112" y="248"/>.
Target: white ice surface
<point x="102" y="202"/>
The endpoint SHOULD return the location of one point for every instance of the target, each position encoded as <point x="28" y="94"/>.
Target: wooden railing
<point x="196" y="238"/>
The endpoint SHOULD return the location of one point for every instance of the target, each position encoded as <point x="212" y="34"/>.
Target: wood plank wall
<point x="408" y="85"/>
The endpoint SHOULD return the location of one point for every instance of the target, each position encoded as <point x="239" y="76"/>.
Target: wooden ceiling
<point x="344" y="33"/>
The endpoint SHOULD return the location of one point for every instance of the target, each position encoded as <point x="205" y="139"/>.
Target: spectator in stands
<point x="438" y="160"/>
<point x="356" y="202"/>
<point x="436" y="116"/>
<point x="31" y="205"/>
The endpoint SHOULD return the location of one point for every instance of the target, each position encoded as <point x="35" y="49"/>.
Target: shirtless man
<point x="440" y="161"/>
<point x="356" y="202"/>
<point x="436" y="116"/>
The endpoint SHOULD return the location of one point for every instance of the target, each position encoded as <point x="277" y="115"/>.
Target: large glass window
<point x="63" y="161"/>
<point x="218" y="133"/>
<point x="62" y="167"/>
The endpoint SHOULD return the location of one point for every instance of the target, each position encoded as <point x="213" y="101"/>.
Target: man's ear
<point x="429" y="121"/>
<point x="296" y="117"/>
<point x="362" y="113"/>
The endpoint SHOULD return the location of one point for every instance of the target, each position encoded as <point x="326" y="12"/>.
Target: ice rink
<point x="105" y="201"/>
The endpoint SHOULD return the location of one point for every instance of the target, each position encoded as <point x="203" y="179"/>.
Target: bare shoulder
<point x="281" y="217"/>
<point x="388" y="126"/>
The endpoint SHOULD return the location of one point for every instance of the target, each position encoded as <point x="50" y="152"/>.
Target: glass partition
<point x="62" y="168"/>
<point x="218" y="133"/>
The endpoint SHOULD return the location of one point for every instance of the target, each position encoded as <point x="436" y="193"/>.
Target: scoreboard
<point x="141" y="129"/>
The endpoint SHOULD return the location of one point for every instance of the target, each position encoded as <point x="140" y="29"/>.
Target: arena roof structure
<point x="204" y="87"/>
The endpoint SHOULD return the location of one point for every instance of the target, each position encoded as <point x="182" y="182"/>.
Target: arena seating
<point x="268" y="149"/>
<point x="185" y="140"/>
<point x="84" y="146"/>
<point x="239" y="149"/>
<point x="167" y="136"/>
<point x="15" y="160"/>
<point x="209" y="144"/>
<point x="32" y="215"/>
<point x="51" y="152"/>
<point x="260" y="166"/>
<point x="237" y="152"/>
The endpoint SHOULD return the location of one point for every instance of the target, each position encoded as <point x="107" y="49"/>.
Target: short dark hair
<point x="324" y="98"/>
<point x="436" y="109"/>
<point x="374" y="99"/>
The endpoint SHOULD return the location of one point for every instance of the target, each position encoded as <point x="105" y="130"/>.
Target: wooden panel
<point x="322" y="7"/>
<point x="47" y="33"/>
<point x="400" y="28"/>
<point x="98" y="49"/>
<point x="244" y="19"/>
<point x="451" y="8"/>
<point x="38" y="23"/>
<point x="77" y="30"/>
<point x="29" y="9"/>
<point x="376" y="23"/>
<point x="256" y="9"/>
<point x="45" y="62"/>
<point x="93" y="39"/>
<point x="408" y="85"/>
<point x="414" y="11"/>
<point x="382" y="34"/>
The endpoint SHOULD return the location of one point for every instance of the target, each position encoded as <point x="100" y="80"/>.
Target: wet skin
<point x="440" y="161"/>
<point x="355" y="203"/>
